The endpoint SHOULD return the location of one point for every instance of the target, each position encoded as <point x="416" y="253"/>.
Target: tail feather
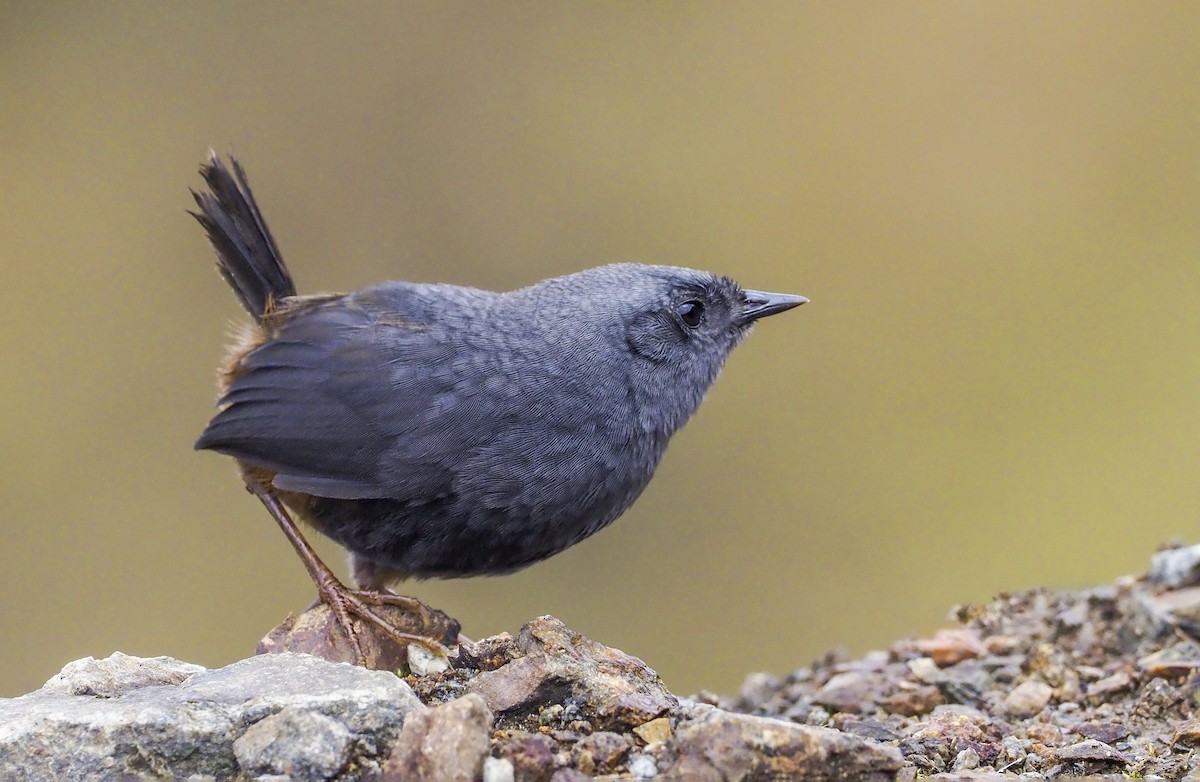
<point x="246" y="253"/>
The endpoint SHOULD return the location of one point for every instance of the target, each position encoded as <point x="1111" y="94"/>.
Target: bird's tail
<point x="246" y="253"/>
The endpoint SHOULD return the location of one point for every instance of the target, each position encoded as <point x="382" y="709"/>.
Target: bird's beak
<point x="760" y="305"/>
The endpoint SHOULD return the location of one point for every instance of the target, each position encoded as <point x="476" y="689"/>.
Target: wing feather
<point x="343" y="403"/>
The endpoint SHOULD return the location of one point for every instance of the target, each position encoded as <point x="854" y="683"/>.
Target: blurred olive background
<point x="993" y="207"/>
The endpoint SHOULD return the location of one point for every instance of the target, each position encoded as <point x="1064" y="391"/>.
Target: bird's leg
<point x="341" y="601"/>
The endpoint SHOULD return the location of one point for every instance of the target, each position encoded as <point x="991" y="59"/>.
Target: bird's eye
<point x="690" y="312"/>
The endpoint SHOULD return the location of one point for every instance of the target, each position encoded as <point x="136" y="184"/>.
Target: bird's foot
<point x="385" y="598"/>
<point x="346" y="603"/>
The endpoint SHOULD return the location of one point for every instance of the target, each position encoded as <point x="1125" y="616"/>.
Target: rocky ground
<point x="1036" y="684"/>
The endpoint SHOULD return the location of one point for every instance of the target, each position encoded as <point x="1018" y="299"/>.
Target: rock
<point x="654" y="730"/>
<point x="569" y="775"/>
<point x="617" y="691"/>
<point x="1053" y="665"/>
<point x="1108" y="732"/>
<point x="602" y="752"/>
<point x="1187" y="734"/>
<point x="952" y="646"/>
<point x="1044" y="733"/>
<point x="1109" y="688"/>
<point x="1001" y="645"/>
<point x="448" y="743"/>
<point x="925" y="670"/>
<point x="1175" y="568"/>
<point x="486" y="654"/>
<point x="532" y="755"/>
<point x="913" y="700"/>
<point x="948" y="724"/>
<point x="871" y="729"/>
<point x="758" y="689"/>
<point x="317" y="632"/>
<point x="966" y="760"/>
<point x="1090" y="750"/>
<point x="294" y="743"/>
<point x="422" y="662"/>
<point x="1012" y="753"/>
<point x="1072" y="618"/>
<point x="938" y="744"/>
<point x="118" y="674"/>
<point x="155" y="723"/>
<point x="1180" y="659"/>
<point x="498" y="770"/>
<point x="817" y="716"/>
<point x="848" y="692"/>
<point x="1178" y="608"/>
<point x="642" y="766"/>
<point x="1028" y="698"/>
<point x="722" y="745"/>
<point x="519" y="687"/>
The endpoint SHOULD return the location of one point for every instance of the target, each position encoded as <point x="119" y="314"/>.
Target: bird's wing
<point x="348" y="403"/>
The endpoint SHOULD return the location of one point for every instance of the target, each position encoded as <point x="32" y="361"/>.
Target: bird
<point x="443" y="431"/>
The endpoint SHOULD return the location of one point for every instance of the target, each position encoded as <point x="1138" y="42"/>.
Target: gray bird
<point x="444" y="431"/>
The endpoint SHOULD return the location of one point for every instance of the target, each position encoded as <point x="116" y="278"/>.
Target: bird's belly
<point x="516" y="501"/>
<point x="440" y="540"/>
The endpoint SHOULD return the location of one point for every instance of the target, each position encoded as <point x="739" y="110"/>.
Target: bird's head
<point x="677" y="325"/>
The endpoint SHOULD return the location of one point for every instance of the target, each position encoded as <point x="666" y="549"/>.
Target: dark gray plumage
<point x="442" y="431"/>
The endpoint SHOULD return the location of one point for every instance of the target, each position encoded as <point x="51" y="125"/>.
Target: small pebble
<point x="1028" y="698"/>
<point x="966" y="760"/>
<point x="1090" y="749"/>
<point x="952" y="646"/>
<point x="654" y="730"/>
<point x="1178" y="660"/>
<point x="550" y="714"/>
<point x="758" y="688"/>
<point x="642" y="766"/>
<point x="1188" y="734"/>
<point x="498" y="770"/>
<point x="1001" y="644"/>
<point x="423" y="662"/>
<point x="1012" y="753"/>
<point x="926" y="670"/>
<point x="817" y="717"/>
<point x="1175" y="568"/>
